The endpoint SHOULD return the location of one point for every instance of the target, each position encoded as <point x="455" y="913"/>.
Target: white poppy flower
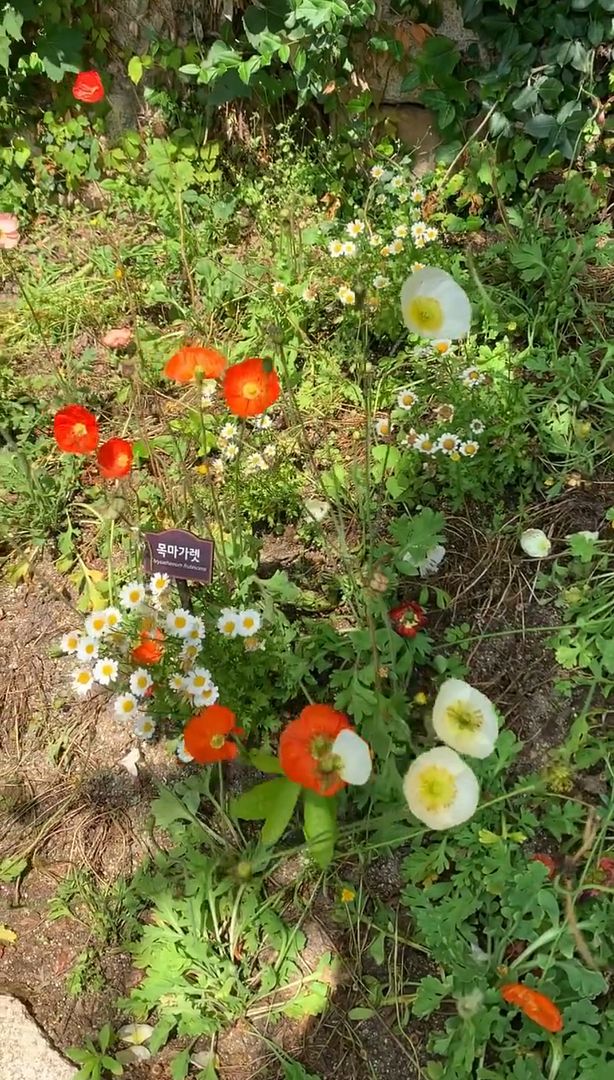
<point x="354" y="756"/>
<point x="82" y="681"/>
<point x="535" y="543"/>
<point x="125" y="705"/>
<point x="70" y="641"/>
<point x="250" y="622"/>
<point x="179" y="622"/>
<point x="144" y="727"/>
<point x="96" y="624"/>
<point x="465" y="719"/>
<point x="135" y="1034"/>
<point x="441" y="790"/>
<point x="228" y="622"/>
<point x="131" y="595"/>
<point x="105" y="671"/>
<point x="434" y="306"/>
<point x="87" y="649"/>
<point x="140" y="681"/>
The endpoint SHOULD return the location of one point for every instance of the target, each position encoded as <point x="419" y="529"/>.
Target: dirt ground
<point x="66" y="802"/>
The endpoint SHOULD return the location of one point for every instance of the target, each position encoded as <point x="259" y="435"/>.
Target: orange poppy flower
<point x="115" y="458"/>
<point x="184" y="364"/>
<point x="75" y="430"/>
<point x="250" y="387"/>
<point x="88" y="87"/>
<point x="149" y="650"/>
<point x="206" y="735"/>
<point x="537" y="1006"/>
<point x="305" y="748"/>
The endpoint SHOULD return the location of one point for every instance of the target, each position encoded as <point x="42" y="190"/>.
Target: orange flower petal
<point x="75" y="430"/>
<point x="115" y="458"/>
<point x="296" y="747"/>
<point x="205" y="735"/>
<point x="249" y="388"/>
<point x="536" y="1006"/>
<point x="184" y="364"/>
<point x="88" y="87"/>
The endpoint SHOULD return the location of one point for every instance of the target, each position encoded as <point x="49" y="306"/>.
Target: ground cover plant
<point x="349" y="805"/>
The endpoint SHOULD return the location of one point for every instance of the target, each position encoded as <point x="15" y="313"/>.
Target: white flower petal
<point x="135" y="1034"/>
<point x="355" y="754"/>
<point x="129" y="763"/>
<point x="446" y="305"/>
<point x="132" y="1054"/>
<point x="441" y="790"/>
<point x="465" y="719"/>
<point x="535" y="543"/>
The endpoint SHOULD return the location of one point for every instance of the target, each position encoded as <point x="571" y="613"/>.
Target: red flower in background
<point x="184" y="364"/>
<point x="75" y="430"/>
<point x="537" y="1006"/>
<point x="115" y="458"/>
<point x="407" y="618"/>
<point x="9" y="231"/>
<point x="305" y="748"/>
<point x="88" y="87"/>
<point x="547" y="861"/>
<point x="250" y="387"/>
<point x="205" y="736"/>
<point x="150" y="648"/>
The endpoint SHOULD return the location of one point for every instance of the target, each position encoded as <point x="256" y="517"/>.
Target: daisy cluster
<point x="151" y="655"/>
<point x="231" y="444"/>
<point x="449" y="443"/>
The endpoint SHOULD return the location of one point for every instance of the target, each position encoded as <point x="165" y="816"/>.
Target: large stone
<point x="25" y="1053"/>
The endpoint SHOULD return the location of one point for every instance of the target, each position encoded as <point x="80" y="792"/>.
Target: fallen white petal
<point x="355" y="754"/>
<point x="132" y="1054"/>
<point x="535" y="543"/>
<point x="135" y="1033"/>
<point x="129" y="762"/>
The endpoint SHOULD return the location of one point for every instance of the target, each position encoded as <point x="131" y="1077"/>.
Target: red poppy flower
<point x="184" y="364"/>
<point x="206" y="735"/>
<point x="88" y="87"/>
<point x="547" y="861"/>
<point x="114" y="458"/>
<point x="149" y="650"/>
<point x="407" y="618"/>
<point x="305" y="748"/>
<point x="75" y="430"/>
<point x="537" y="1006"/>
<point x="250" y="387"/>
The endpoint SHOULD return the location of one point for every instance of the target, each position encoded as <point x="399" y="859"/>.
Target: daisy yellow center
<point x="448" y="444"/>
<point x="142" y="681"/>
<point x="89" y="648"/>
<point x="127" y="706"/>
<point x="437" y="787"/>
<point x="347" y="895"/>
<point x="425" y="312"/>
<point x="248" y="622"/>
<point x="455" y="456"/>
<point x="442" y="347"/>
<point x="408" y="399"/>
<point x="112" y="620"/>
<point x="470" y="450"/>
<point x="191" y="650"/>
<point x="72" y="642"/>
<point x="135" y="596"/>
<point x="180" y="622"/>
<point x="98" y="624"/>
<point x="229" y="627"/>
<point x="217" y="741"/>
<point x="465" y="718"/>
<point x="251" y="389"/>
<point x="83" y="677"/>
<point x="199" y="680"/>
<point x="107" y="669"/>
<point x="427" y="444"/>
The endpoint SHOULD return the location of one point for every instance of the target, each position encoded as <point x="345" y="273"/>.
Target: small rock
<point x="25" y="1053"/>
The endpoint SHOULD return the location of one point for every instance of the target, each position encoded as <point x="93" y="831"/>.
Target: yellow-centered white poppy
<point x="533" y="542"/>
<point x="434" y="306"/>
<point x="441" y="790"/>
<point x="465" y="719"/>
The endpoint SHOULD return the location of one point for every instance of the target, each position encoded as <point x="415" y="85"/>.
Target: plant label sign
<point x="179" y="554"/>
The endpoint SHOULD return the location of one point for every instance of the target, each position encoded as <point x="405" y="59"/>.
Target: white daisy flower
<point x="96" y="624"/>
<point x="415" y="266"/>
<point x="397" y="183"/>
<point x="355" y="228"/>
<point x="434" y="306"/>
<point x="419" y="242"/>
<point x="179" y="622"/>
<point x="228" y="622"/>
<point x="177" y="682"/>
<point x="425" y="444"/>
<point x="471" y="377"/>
<point x="380" y="282"/>
<point x="406" y="399"/>
<point x="418" y="230"/>
<point x="403" y="197"/>
<point x="125" y="705"/>
<point x="144" y="727"/>
<point x="140" y="681"/>
<point x="230" y="452"/>
<point x="396" y="247"/>
<point x="228" y="431"/>
<point x="380" y="200"/>
<point x="465" y="719"/>
<point x="448" y="443"/>
<point x="349" y="248"/>
<point x="87" y="649"/>
<point x="377" y="172"/>
<point x="383" y="427"/>
<point x="386" y="251"/>
<point x="469" y="448"/>
<point x="190" y="651"/>
<point x="255" y="463"/>
<point x="347" y="296"/>
<point x="477" y="427"/>
<point x="442" y="346"/>
<point x="82" y="681"/>
<point x="70" y="641"/>
<point x="535" y="543"/>
<point x="417" y="196"/>
<point x="335" y="249"/>
<point x="309" y="294"/>
<point x="206" y="697"/>
<point x="158" y="584"/>
<point x="253" y="644"/>
<point x="375" y="240"/>
<point x="197" y="629"/>
<point x="182" y="753"/>
<point x="278" y="288"/>
<point x="250" y="622"/>
<point x="401" y="232"/>
<point x="431" y="234"/>
<point x="105" y="671"/>
<point x="262" y="423"/>
<point x="131" y="595"/>
<point x="269" y="453"/>
<point x="198" y="680"/>
<point x="441" y="790"/>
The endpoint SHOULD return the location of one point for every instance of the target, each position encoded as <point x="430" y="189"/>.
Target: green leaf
<point x="541" y="125"/>
<point x="273" y="801"/>
<point x="607" y="5"/>
<point x="104" y="1037"/>
<point x="320" y="827"/>
<point x="280" y="816"/>
<point x="264" y="762"/>
<point x="135" y="70"/>
<point x="112" y="1065"/>
<point x="360" y="1013"/>
<point x="12" y="22"/>
<point x="582" y="980"/>
<point x="430" y="994"/>
<point x="180" y="1065"/>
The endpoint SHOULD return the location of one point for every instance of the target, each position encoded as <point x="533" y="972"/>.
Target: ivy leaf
<point x="135" y="70"/>
<point x="320" y="827"/>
